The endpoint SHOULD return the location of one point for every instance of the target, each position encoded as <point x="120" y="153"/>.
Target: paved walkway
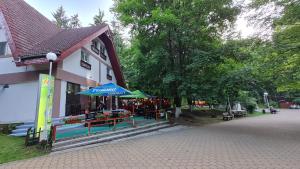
<point x="270" y="141"/>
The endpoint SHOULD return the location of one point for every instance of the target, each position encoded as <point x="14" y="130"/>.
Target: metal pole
<point x="45" y="132"/>
<point x="268" y="104"/>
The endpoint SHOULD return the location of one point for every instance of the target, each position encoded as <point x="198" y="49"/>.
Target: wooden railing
<point x="89" y="123"/>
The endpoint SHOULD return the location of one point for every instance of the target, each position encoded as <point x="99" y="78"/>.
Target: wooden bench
<point x="227" y="116"/>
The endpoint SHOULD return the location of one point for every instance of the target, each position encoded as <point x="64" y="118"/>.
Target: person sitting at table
<point x="101" y="106"/>
<point x="87" y="112"/>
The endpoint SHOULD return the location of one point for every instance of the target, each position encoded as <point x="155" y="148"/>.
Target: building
<point x="86" y="58"/>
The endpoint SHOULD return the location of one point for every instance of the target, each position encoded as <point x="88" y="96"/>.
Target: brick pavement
<point x="270" y="141"/>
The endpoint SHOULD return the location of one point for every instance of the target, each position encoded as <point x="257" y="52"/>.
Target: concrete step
<point x="26" y="126"/>
<point x="29" y="122"/>
<point x="108" y="136"/>
<point x="18" y="134"/>
<point x="20" y="130"/>
<point x="105" y="134"/>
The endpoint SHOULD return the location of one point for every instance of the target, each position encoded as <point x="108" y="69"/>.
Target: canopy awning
<point x="109" y="89"/>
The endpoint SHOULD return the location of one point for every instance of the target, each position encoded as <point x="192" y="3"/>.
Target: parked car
<point x="294" y="106"/>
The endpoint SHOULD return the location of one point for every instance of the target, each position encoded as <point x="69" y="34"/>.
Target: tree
<point x="74" y="22"/>
<point x="61" y="20"/>
<point x="117" y="37"/>
<point x="281" y="62"/>
<point x="175" y="42"/>
<point x="98" y="19"/>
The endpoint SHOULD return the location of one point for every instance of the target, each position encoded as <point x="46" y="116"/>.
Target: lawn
<point x="255" y="114"/>
<point x="13" y="148"/>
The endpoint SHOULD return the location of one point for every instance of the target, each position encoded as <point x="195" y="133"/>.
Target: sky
<point x="87" y="9"/>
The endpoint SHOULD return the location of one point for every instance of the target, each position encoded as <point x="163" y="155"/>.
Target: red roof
<point x="62" y="40"/>
<point x="26" y="25"/>
<point x="33" y="35"/>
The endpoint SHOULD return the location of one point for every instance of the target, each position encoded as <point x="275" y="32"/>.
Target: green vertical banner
<point x="42" y="102"/>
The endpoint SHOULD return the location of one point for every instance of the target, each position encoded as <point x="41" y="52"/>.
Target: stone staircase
<point x="108" y="136"/>
<point x="21" y="130"/>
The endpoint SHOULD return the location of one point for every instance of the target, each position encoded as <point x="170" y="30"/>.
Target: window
<point x="103" y="52"/>
<point x="2" y="48"/>
<point x="95" y="46"/>
<point x="108" y="73"/>
<point x="84" y="56"/>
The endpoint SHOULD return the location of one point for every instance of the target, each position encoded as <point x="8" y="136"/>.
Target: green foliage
<point x="74" y="21"/>
<point x="273" y="104"/>
<point x="278" y="64"/>
<point x="247" y="101"/>
<point x="296" y="100"/>
<point x="177" y="50"/>
<point x="7" y="128"/>
<point x="13" y="148"/>
<point x="98" y="19"/>
<point x="175" y="47"/>
<point x="63" y="21"/>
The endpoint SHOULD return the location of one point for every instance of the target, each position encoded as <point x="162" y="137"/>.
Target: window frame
<point x="108" y="73"/>
<point x="102" y="52"/>
<point x="3" y="47"/>
<point x="95" y="46"/>
<point x="85" y="56"/>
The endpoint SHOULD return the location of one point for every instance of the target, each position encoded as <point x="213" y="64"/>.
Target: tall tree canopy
<point x="175" y="42"/>
<point x="281" y="59"/>
<point x="99" y="18"/>
<point x="63" y="21"/>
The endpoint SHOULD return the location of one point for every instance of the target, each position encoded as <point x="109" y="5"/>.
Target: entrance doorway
<point x="73" y="106"/>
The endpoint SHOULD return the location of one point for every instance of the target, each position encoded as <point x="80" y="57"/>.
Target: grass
<point x="255" y="114"/>
<point x="13" y="148"/>
<point x="199" y="121"/>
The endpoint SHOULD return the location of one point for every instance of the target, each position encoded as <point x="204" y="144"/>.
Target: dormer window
<point x="84" y="62"/>
<point x="84" y="56"/>
<point x="95" y="46"/>
<point x="108" y="73"/>
<point x="2" y="48"/>
<point x="103" y="52"/>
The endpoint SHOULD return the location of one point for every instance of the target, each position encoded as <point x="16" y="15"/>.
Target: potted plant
<point x="100" y="116"/>
<point x="72" y="120"/>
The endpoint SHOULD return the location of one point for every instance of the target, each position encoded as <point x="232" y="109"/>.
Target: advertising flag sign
<point x="42" y="102"/>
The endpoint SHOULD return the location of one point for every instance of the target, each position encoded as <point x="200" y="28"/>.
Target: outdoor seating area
<point x="133" y="109"/>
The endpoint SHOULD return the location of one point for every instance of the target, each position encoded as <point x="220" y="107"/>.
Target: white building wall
<point x="18" y="102"/>
<point x="72" y="64"/>
<point x="4" y="34"/>
<point x="103" y="65"/>
<point x="103" y="75"/>
<point x="6" y="61"/>
<point x="97" y="73"/>
<point x="8" y="66"/>
<point x="88" y="47"/>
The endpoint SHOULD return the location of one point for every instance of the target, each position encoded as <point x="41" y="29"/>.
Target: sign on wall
<point x="42" y="101"/>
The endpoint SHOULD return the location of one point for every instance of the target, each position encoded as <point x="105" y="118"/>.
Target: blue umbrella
<point x="109" y="89"/>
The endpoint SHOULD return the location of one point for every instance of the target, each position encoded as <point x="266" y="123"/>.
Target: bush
<point x="250" y="108"/>
<point x="247" y="101"/>
<point x="296" y="100"/>
<point x="7" y="128"/>
<point x="273" y="104"/>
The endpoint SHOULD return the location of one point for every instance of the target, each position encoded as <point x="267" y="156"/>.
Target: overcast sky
<point x="86" y="9"/>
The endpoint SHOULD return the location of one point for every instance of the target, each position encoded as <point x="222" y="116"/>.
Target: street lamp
<point x="51" y="57"/>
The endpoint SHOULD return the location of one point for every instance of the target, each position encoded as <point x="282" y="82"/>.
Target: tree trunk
<point x="177" y="103"/>
<point x="190" y="103"/>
